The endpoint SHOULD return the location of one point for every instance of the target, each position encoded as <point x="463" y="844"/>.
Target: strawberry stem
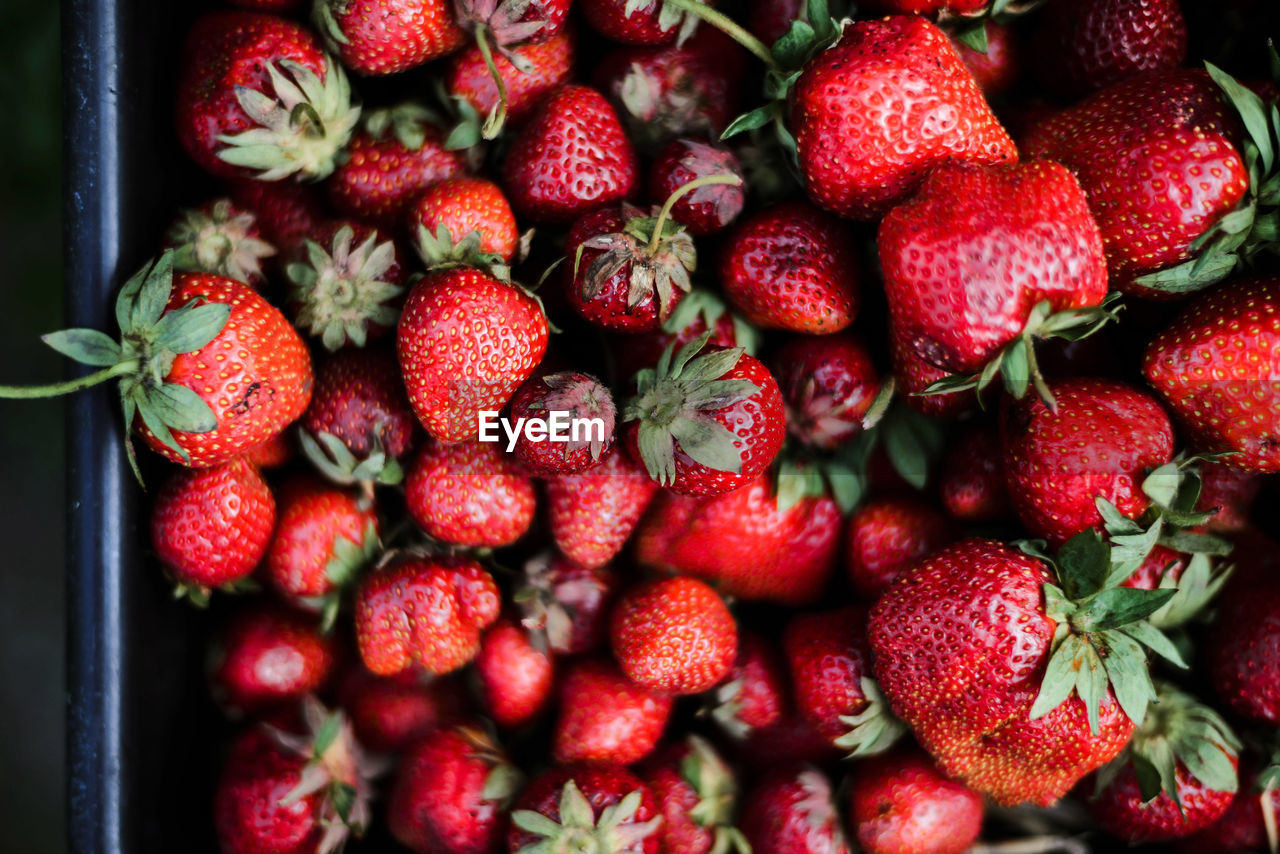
<point x="27" y="392"/>
<point x="728" y="26"/>
<point x="684" y="189"/>
<point x="498" y="115"/>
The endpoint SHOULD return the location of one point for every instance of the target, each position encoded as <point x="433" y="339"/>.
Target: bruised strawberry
<point x="972" y="481"/>
<point x="266" y="657"/>
<point x="754" y="695"/>
<point x="463" y="220"/>
<point x="605" y="717"/>
<point x="790" y="811"/>
<point x="601" y="807"/>
<point x="219" y="237"/>
<point x="887" y="536"/>
<point x="515" y="676"/>
<point x="567" y="449"/>
<point x="469" y="494"/>
<point x="550" y="66"/>
<point x="828" y="383"/>
<point x="390" y="713"/>
<point x="641" y="22"/>
<point x="388" y="36"/>
<point x="568" y="603"/>
<point x="697" y="794"/>
<point x="900" y="803"/>
<point x="708" y="209"/>
<point x="674" y="635"/>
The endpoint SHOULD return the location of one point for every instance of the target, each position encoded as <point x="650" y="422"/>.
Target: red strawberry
<point x="769" y="20"/>
<point x="210" y="527"/>
<point x="605" y="717"/>
<point x="1161" y="561"/>
<point x="1216" y="367"/>
<point x="972" y="480"/>
<point x="581" y="396"/>
<point x="674" y="635"/>
<point x="469" y="494"/>
<point x="567" y="602"/>
<point x="286" y="212"/>
<point x="708" y="209"/>
<point x="745" y="543"/>
<point x="424" y="611"/>
<point x="1100" y="442"/>
<point x="550" y="65"/>
<point x="828" y="383"/>
<point x="900" y="803"/>
<point x="705" y="423"/>
<point x="591" y="515"/>
<point x="790" y="812"/>
<point x="754" y="695"/>
<point x="792" y="267"/>
<point x="997" y="69"/>
<point x="924" y="7"/>
<point x="601" y="807"/>
<point x="276" y="452"/>
<point x="1243" y="645"/>
<point x="915" y="376"/>
<point x="1081" y="46"/>
<point x="1232" y="492"/>
<point x="1244" y="826"/>
<point x="696" y="794"/>
<point x="257" y="96"/>
<point x="391" y="713"/>
<point x="699" y="311"/>
<point x="451" y="794"/>
<point x="515" y="676"/>
<point x="267" y="657"/>
<point x="360" y="400"/>
<point x="875" y="112"/>
<point x="218" y="237"/>
<point x="642" y="22"/>
<point x="451" y="379"/>
<point x="887" y="536"/>
<point x="570" y="158"/>
<point x="463" y="220"/>
<point x="388" y="36"/>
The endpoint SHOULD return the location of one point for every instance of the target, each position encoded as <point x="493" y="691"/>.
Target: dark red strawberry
<point x="769" y="20"/>
<point x="792" y="739"/>
<point x="997" y="68"/>
<point x="972" y="480"/>
<point x="550" y="65"/>
<point x="1232" y="492"/>
<point x="900" y="803"/>
<point x="925" y="7"/>
<point x="267" y="657"/>
<point x="285" y="211"/>
<point x="790" y="811"/>
<point x="887" y="536"/>
<point x="1243" y="644"/>
<point x="360" y="400"/>
<point x="566" y="449"/>
<point x="708" y="209"/>
<point x="567" y="603"/>
<point x="469" y="494"/>
<point x="642" y="22"/>
<point x="915" y="378"/>
<point x="391" y="713"/>
<point x="276" y="452"/>
<point x="601" y="807"/>
<point x="828" y="383"/>
<point x="218" y="237"/>
<point x="696" y="793"/>
<point x="754" y="696"/>
<point x="463" y="220"/>
<point x="388" y="36"/>
<point x="515" y="676"/>
<point x="674" y="635"/>
<point x="605" y="717"/>
<point x="1246" y="825"/>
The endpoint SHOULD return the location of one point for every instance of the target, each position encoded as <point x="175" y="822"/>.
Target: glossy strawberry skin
<point x="247" y="813"/>
<point x="285" y="211"/>
<point x="1053" y="478"/>
<point x="972" y="480"/>
<point x="755" y="694"/>
<point x="828" y="383"/>
<point x="469" y="494"/>
<point x="516" y="678"/>
<point x="389" y="36"/>
<point x="360" y="399"/>
<point x="790" y="812"/>
<point x="571" y="157"/>
<point x="610" y="19"/>
<point x="1243" y="645"/>
<point x="1216" y="367"/>
<point x="268" y="657"/>
<point x="212" y="526"/>
<point x="707" y="210"/>
<point x="828" y="656"/>
<point x="1120" y="809"/>
<point x="605" y="717"/>
<point x="426" y="612"/>
<point x="792" y="267"/>
<point x="915" y="375"/>
<point x="465" y="204"/>
<point x="380" y="178"/>
<point x="1241" y="828"/>
<point x="863" y="112"/>
<point x="674" y="635"/>
<point x="581" y="396"/>
<point x="603" y="784"/>
<point x="887" y="536"/>
<point x="313" y="517"/>
<point x="552" y="62"/>
<point x="901" y="803"/>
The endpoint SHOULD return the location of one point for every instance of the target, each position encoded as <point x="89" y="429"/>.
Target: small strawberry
<point x="887" y="536"/>
<point x="790" y="811"/>
<point x="753" y="697"/>
<point x="451" y="380"/>
<point x="463" y="221"/>
<point x="469" y="494"/>
<point x="286" y="212"/>
<point x="267" y="657"/>
<point x="605" y="717"/>
<point x="1243" y="644"/>
<point x="258" y="97"/>
<point x="592" y="514"/>
<point x="705" y="423"/>
<point x="674" y="635"/>
<point x="599" y="807"/>
<point x="577" y="397"/>
<point x="515" y="676"/>
<point x="710" y="208"/>
<point x="427" y="612"/>
<point x="276" y="452"/>
<point x="391" y="713"/>
<point x="388" y="36"/>
<point x="792" y="267"/>
<point x="571" y="157"/>
<point x="218" y="237"/>
<point x="696" y="794"/>
<point x="451" y="793"/>
<point x="972" y="481"/>
<point x="769" y="20"/>
<point x="543" y="67"/>
<point x="900" y="803"/>
<point x="828" y="384"/>
<point x="567" y="603"/>
<point x="998" y="65"/>
<point x="639" y="22"/>
<point x="210" y="527"/>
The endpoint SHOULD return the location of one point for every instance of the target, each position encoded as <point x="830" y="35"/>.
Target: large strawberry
<point x="469" y="494"/>
<point x="599" y="807"/>
<point x="605" y="717"/>
<point x="900" y="803"/>
<point x="790" y="811"/>
<point x="219" y="237"/>
<point x="388" y="36"/>
<point x="697" y="794"/>
<point x="257" y="96"/>
<point x="268" y="657"/>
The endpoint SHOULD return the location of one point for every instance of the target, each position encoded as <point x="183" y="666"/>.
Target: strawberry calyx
<point x="1172" y="517"/>
<point x="333" y="459"/>
<point x="200" y="594"/>
<point x="725" y="706"/>
<point x="302" y="128"/>
<point x="873" y="730"/>
<point x="713" y="781"/>
<point x="340" y="292"/>
<point x="970" y="29"/>
<point x="582" y="396"/>
<point x="440" y="251"/>
<point x="545" y="602"/>
<point x="504" y="780"/>
<point x="218" y="241"/>
<point x="406" y="122"/>
<point x="578" y="829"/>
<point x="348" y="560"/>
<point x="708" y="306"/>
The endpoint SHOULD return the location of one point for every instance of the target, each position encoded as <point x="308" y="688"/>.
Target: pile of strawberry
<point x="929" y="405"/>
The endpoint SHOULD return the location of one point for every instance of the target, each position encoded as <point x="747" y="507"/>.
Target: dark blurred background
<point x="32" y="526"/>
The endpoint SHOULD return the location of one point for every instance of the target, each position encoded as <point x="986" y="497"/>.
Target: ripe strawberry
<point x="605" y="717"/>
<point x="427" y="612"/>
<point x="709" y="209"/>
<point x="790" y="812"/>
<point x="696" y="794"/>
<point x="674" y="635"/>
<point x="285" y="211"/>
<point x="267" y="657"/>
<point x="972" y="480"/>
<point x="887" y="536"/>
<point x="388" y="36"/>
<point x="452" y="379"/>
<point x="875" y="112"/>
<point x="219" y="237"/>
<point x="1232" y="492"/>
<point x="571" y="157"/>
<point x="828" y="383"/>
<point x="792" y="267"/>
<point x="463" y="220"/>
<point x="916" y="377"/>
<point x="1245" y="826"/>
<point x="744" y="542"/>
<point x="210" y="527"/>
<point x="705" y="423"/>
<point x="451" y="793"/>
<point x="1085" y="45"/>
<point x="1243" y="644"/>
<point x="258" y="97"/>
<point x="997" y="68"/>
<point x="1216" y="367"/>
<point x="391" y="713"/>
<point x="276" y="452"/>
<point x="581" y="396"/>
<point x="549" y="66"/>
<point x="754" y="695"/>
<point x="469" y="494"/>
<point x="591" y="515"/>
<point x="598" y="807"/>
<point x="900" y="803"/>
<point x="640" y="22"/>
<point x="515" y="676"/>
<point x="360" y="400"/>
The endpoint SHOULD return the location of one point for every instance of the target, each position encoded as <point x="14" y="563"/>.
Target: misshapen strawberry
<point x="605" y="717"/>
<point x="602" y="807"/>
<point x="708" y="209"/>
<point x="696" y="793"/>
<point x="900" y="803"/>
<point x="268" y="657"/>
<point x="515" y="676"/>
<point x="469" y="494"/>
<point x="674" y="635"/>
<point x="887" y="536"/>
<point x="790" y="811"/>
<point x="828" y="384"/>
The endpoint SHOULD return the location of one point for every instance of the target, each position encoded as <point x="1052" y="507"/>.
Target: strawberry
<point x="790" y="812"/>
<point x="769" y="20"/>
<point x="1243" y="644"/>
<point x="591" y="515"/>
<point x="1177" y="775"/>
<point x="753" y="697"/>
<point x="285" y="212"/>
<point x="639" y="22"/>
<point x="1231" y="492"/>
<point x="276" y="452"/>
<point x="792" y="739"/>
<point x="1216" y="366"/>
<point x="710" y="208"/>
<point x="828" y="384"/>
<point x="469" y="494"/>
<point x="452" y="379"/>
<point x="210" y="527"/>
<point x="1081" y="46"/>
<point x="830" y="666"/>
<point x="1247" y="825"/>
<point x="674" y="635"/>
<point x="792" y="267"/>
<point x="997" y="67"/>
<point x="917" y="380"/>
<point x="388" y="36"/>
<point x="600" y="807"/>
<point x="972" y="480"/>
<point x="875" y="112"/>
<point x="581" y="396"/>
<point x="451" y="793"/>
<point x="705" y="423"/>
<point x="266" y="657"/>
<point x="515" y="676"/>
<point x="605" y="717"/>
<point x="390" y="161"/>
<point x="389" y="714"/>
<point x="900" y="803"/>
<point x="925" y="7"/>
<point x="1161" y="561"/>
<point x="571" y="157"/>
<point x="549" y="66"/>
<point x="887" y="536"/>
<point x="745" y="542"/>
<point x="427" y="612"/>
<point x="696" y="794"/>
<point x="463" y="220"/>
<point x="567" y="603"/>
<point x="219" y="237"/>
<point x="961" y="300"/>
<point x="258" y="97"/>
<point x="699" y="311"/>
